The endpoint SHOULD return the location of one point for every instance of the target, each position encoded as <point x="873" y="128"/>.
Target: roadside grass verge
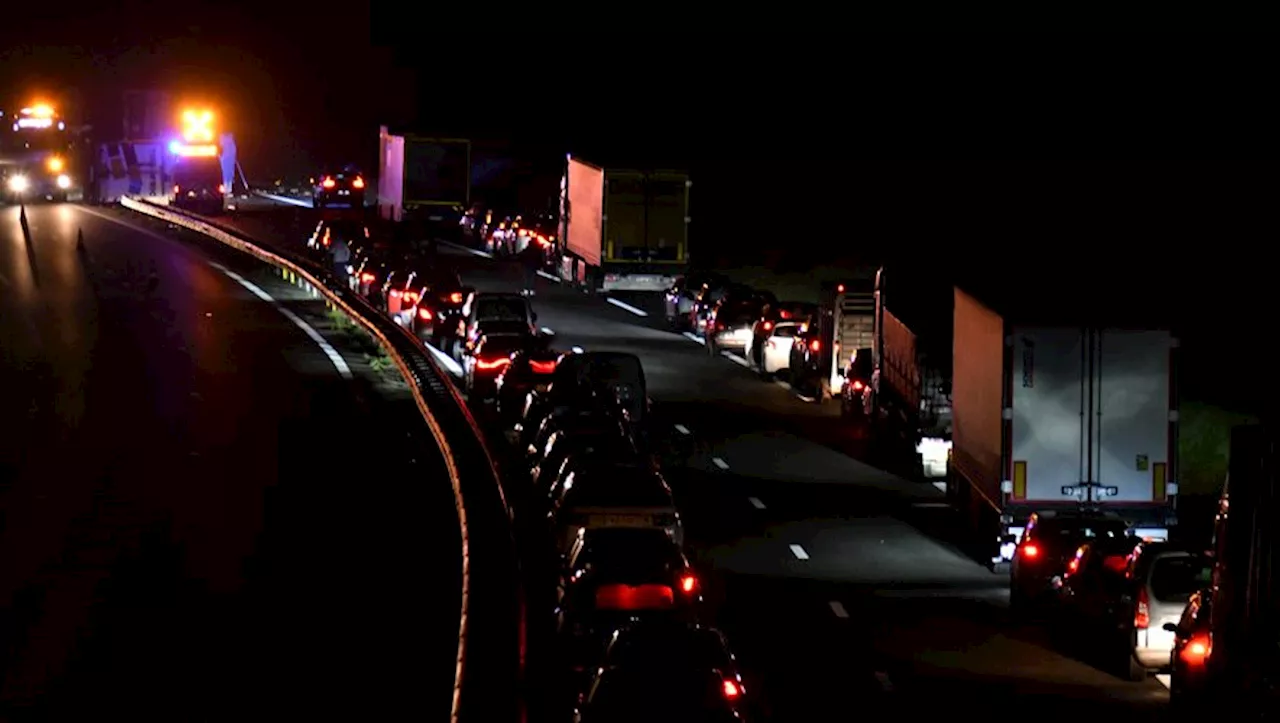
<point x="362" y="342"/>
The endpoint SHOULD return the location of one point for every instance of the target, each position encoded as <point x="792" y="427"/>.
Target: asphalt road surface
<point x="207" y="511"/>
<point x="836" y="582"/>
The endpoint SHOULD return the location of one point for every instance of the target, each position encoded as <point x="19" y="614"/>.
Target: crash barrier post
<point x="488" y="676"/>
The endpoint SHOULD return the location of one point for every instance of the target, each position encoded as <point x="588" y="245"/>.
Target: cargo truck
<point x="37" y="156"/>
<point x="1060" y="416"/>
<point x="623" y="230"/>
<point x="429" y="175"/>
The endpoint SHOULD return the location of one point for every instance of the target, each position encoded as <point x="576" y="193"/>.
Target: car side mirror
<point x="1171" y="627"/>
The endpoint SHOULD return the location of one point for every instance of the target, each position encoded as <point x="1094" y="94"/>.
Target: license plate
<point x="620" y="521"/>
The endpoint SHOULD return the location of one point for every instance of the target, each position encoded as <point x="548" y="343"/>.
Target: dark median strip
<point x="487" y="688"/>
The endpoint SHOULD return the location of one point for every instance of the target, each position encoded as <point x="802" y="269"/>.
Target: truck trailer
<point x="623" y="230"/>
<point x="1055" y="415"/>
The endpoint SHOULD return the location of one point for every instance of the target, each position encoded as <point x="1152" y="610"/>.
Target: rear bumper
<point x="336" y="198"/>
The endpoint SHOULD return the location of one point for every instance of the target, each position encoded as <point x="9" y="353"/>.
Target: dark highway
<point x="835" y="581"/>
<point x="214" y="504"/>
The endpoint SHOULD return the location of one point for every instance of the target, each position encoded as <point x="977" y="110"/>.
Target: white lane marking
<point x="468" y="249"/>
<point x="803" y="398"/>
<point x="285" y="199"/>
<point x="338" y="362"/>
<point x="941" y="485"/>
<point x="577" y="350"/>
<point x="626" y="307"/>
<point x="547" y="330"/>
<point x="694" y="338"/>
<point x="1164" y="679"/>
<point x="837" y="608"/>
<point x="720" y="463"/>
<point x="548" y="277"/>
<point x="784" y="384"/>
<point x="929" y="505"/>
<point x="445" y="359"/>
<point x="799" y="552"/>
<point x="883" y="679"/>
<point x="756" y="503"/>
<point x="682" y="429"/>
<point x="736" y="359"/>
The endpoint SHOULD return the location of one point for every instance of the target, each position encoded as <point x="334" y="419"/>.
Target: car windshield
<point x="1062" y="533"/>
<point x="654" y="645"/>
<point x="1174" y="578"/>
<point x="501" y="309"/>
<point x="672" y="695"/>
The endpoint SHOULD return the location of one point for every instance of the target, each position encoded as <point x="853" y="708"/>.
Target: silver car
<point x="1165" y="578"/>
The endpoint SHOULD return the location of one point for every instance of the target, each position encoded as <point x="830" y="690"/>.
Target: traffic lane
<point x="181" y="533"/>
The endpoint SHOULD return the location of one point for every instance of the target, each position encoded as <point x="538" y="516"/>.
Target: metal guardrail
<point x="489" y="672"/>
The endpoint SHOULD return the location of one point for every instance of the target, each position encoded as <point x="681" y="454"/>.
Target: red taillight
<point x="177" y="190"/>
<point x="367" y="278"/>
<point x="635" y="597"/>
<point x="495" y="364"/>
<point x="688" y="583"/>
<point x="840" y="289"/>
<point x="411" y="297"/>
<point x="815" y="345"/>
<point x="1142" y="615"/>
<point x="784" y="314"/>
<point x="732" y="690"/>
<point x="1197" y="650"/>
<point x="222" y="188"/>
<point x="768" y="325"/>
<point x="1030" y="551"/>
<point x="455" y="297"/>
<point x="424" y="313"/>
<point x="358" y="183"/>
<point x="543" y="367"/>
<point x="328" y="183"/>
<point x="859" y="386"/>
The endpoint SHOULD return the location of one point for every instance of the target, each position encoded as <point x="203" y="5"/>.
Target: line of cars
<point x="1107" y="595"/>
<point x="779" y="338"/>
<point x="622" y="602"/>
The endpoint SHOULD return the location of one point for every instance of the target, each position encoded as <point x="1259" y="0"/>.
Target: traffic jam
<point x="622" y="601"/>
<point x="1106" y="583"/>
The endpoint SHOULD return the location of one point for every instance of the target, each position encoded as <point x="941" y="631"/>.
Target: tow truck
<point x="35" y="153"/>
<point x="197" y="170"/>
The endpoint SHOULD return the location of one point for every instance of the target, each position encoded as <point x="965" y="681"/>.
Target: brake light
<point x="495" y="364"/>
<point x="177" y="190"/>
<point x="328" y="183"/>
<point x="367" y="278"/>
<point x="424" y="313"/>
<point x="411" y="297"/>
<point x="732" y="690"/>
<point x="358" y="183"/>
<point x="543" y="367"/>
<point x="1030" y="551"/>
<point x="222" y="188"/>
<point x="815" y="345"/>
<point x="1142" y="616"/>
<point x="768" y="325"/>
<point x="635" y="597"/>
<point x="784" y="314"/>
<point x="1197" y="650"/>
<point x="688" y="583"/>
<point x="455" y="297"/>
<point x="859" y="386"/>
<point x="840" y="289"/>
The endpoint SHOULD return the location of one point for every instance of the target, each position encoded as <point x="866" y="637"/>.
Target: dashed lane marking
<point x="626" y="307"/>
<point x="736" y="359"/>
<point x="446" y="360"/>
<point x="285" y="200"/>
<point x="940" y="485"/>
<point x="837" y="608"/>
<point x="799" y="552"/>
<point x="338" y="362"/>
<point x="467" y="249"/>
<point x="548" y="277"/>
<point x="756" y="503"/>
<point x="719" y="463"/>
<point x="693" y="338"/>
<point x="682" y="429"/>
